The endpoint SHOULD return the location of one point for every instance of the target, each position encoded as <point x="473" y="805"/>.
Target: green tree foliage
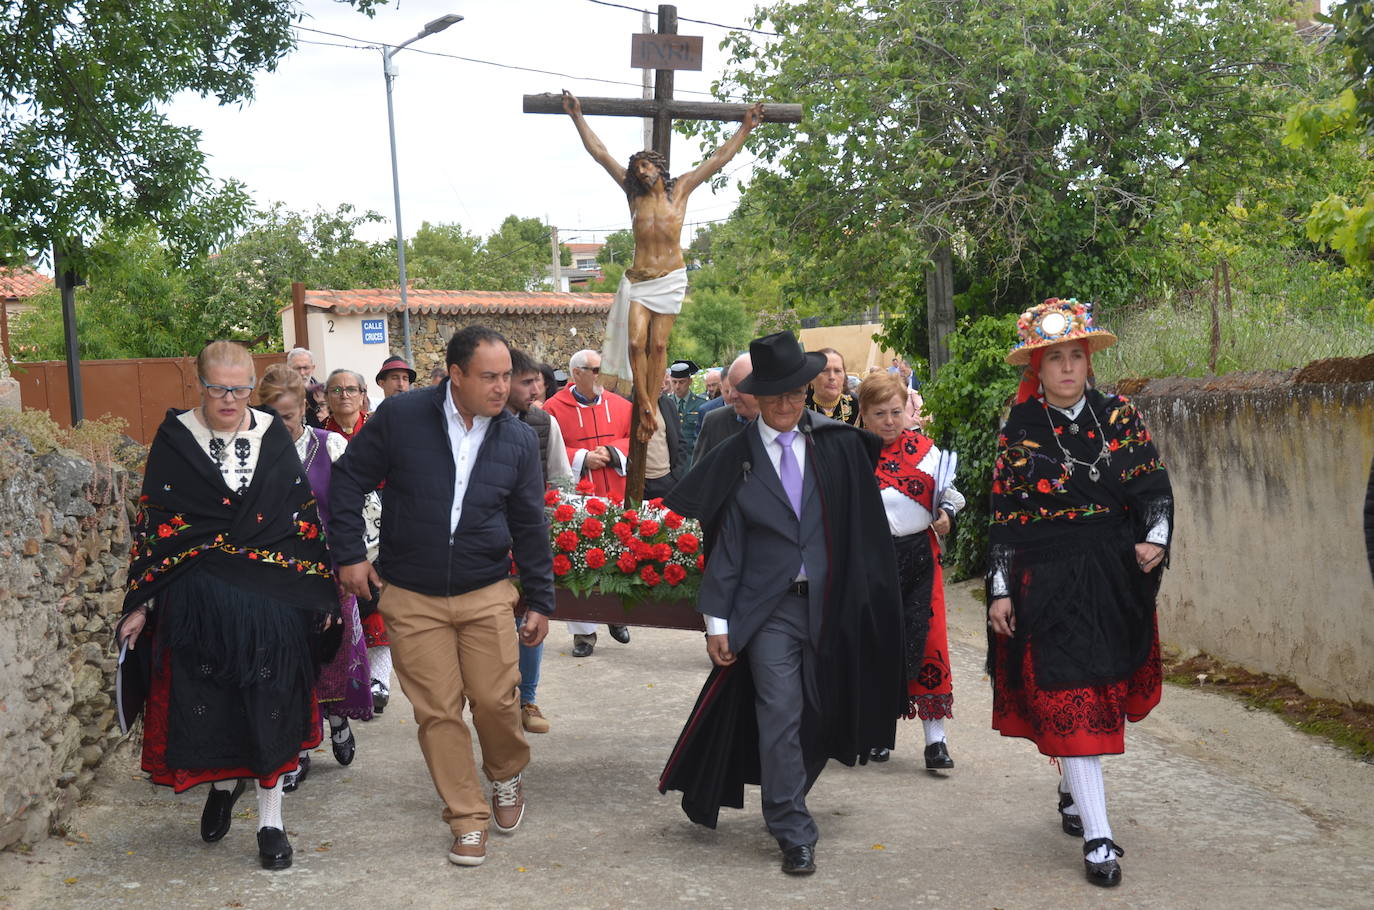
<point x="1053" y="144"/>
<point x="142" y="301"/>
<point x="715" y="324"/>
<point x="515" y="257"/>
<point x="84" y="148"/>
<point x="619" y="249"/>
<point x="967" y="402"/>
<point x="1339" y="127"/>
<point x="442" y="256"/>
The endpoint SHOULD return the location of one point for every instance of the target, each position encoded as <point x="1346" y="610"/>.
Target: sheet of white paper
<point x="119" y="687"/>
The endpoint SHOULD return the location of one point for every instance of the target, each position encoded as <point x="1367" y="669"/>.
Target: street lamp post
<point x="389" y="71"/>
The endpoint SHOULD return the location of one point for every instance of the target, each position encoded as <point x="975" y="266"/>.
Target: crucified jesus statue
<point x="651" y="292"/>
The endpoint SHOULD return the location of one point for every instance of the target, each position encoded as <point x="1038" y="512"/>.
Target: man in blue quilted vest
<point x="464" y="495"/>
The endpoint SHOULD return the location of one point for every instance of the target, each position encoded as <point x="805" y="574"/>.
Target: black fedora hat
<point x="779" y="365"/>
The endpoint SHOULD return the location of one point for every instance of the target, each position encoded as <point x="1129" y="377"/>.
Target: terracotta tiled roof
<point x="18" y="284"/>
<point x="576" y="248"/>
<point x="421" y="300"/>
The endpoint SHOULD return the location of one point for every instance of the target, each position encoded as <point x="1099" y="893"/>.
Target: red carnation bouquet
<point x="646" y="553"/>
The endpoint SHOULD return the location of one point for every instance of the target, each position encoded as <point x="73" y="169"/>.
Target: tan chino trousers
<point x="446" y="650"/>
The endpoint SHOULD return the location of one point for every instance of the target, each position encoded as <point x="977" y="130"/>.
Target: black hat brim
<point x="811" y="366"/>
<point x="412" y="373"/>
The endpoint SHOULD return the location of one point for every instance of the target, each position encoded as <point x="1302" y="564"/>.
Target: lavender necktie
<point x="789" y="472"/>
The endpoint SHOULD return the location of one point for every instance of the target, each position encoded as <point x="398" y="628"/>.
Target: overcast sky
<point x="316" y="134"/>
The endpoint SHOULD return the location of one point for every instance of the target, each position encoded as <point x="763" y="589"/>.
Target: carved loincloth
<point x="658" y="295"/>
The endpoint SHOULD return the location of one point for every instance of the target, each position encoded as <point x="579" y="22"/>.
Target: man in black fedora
<point x="801" y="605"/>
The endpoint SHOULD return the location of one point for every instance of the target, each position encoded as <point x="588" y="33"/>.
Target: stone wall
<point x="1269" y="566"/>
<point x="63" y="550"/>
<point x="550" y="337"/>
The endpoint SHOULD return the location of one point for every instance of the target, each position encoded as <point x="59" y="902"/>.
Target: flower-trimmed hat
<point x="1055" y="321"/>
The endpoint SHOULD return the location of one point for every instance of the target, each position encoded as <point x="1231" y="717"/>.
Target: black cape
<point x="859" y="664"/>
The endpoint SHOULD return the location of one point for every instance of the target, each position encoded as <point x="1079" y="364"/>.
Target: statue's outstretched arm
<point x="718" y="159"/>
<point x="591" y="141"/>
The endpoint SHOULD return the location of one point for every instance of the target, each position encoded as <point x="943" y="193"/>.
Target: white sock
<point x="269" y="806"/>
<point x="935" y="730"/>
<point x="1083" y="774"/>
<point x="225" y="785"/>
<point x="338" y="728"/>
<point x="380" y="660"/>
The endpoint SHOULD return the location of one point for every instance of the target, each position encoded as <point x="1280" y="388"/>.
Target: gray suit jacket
<point x="716" y="427"/>
<point x="761" y="547"/>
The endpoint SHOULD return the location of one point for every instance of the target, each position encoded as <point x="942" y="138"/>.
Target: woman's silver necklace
<point x="220" y="452"/>
<point x="1094" y="474"/>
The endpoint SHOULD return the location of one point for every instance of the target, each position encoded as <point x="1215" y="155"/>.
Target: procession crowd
<point x="295" y="547"/>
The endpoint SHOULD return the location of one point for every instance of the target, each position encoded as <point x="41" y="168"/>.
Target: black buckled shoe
<point x="1071" y="822"/>
<point x="344" y="751"/>
<point x="879" y="754"/>
<point x="799" y="860"/>
<point x="274" y="850"/>
<point x="620" y="633"/>
<point x="937" y="757"/>
<point x="292" y="780"/>
<point x="218" y="813"/>
<point x="584" y="645"/>
<point x="1105" y="874"/>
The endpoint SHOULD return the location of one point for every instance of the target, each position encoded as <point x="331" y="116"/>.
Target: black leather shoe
<point x="620" y="634"/>
<point x="1071" y="822"/>
<point x="879" y="754"/>
<point x="1106" y="874"/>
<point x="344" y="751"/>
<point x="218" y="813"/>
<point x="799" y="860"/>
<point x="292" y="780"/>
<point x="937" y="757"/>
<point x="274" y="850"/>
<point x="584" y="645"/>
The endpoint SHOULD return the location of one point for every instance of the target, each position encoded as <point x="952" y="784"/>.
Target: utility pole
<point x="557" y="266"/>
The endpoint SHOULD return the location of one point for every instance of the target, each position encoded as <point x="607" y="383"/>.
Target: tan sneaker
<point x="469" y="849"/>
<point x="533" y="719"/>
<point x="507" y="804"/>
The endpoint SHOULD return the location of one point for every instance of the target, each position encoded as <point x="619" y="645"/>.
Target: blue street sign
<point x="374" y="331"/>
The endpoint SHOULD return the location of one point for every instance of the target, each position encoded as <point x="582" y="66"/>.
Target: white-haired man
<point x="303" y="362"/>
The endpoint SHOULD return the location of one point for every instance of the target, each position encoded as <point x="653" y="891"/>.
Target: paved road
<point x="1218" y="807"/>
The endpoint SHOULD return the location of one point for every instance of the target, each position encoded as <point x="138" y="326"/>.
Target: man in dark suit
<point x="721" y="423"/>
<point x="801" y="604"/>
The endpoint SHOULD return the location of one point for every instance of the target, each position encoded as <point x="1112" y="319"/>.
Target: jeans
<point x="529" y="666"/>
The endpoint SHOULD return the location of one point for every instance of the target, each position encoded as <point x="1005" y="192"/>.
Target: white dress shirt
<point x="715" y="625"/>
<point x="465" y="444"/>
<point x="560" y="471"/>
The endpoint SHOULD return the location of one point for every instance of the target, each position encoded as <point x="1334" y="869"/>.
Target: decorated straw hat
<point x="1056" y="321"/>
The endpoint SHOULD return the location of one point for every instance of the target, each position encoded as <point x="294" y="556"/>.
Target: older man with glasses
<point x="303" y="362"/>
<point x="596" y="432"/>
<point x="800" y="588"/>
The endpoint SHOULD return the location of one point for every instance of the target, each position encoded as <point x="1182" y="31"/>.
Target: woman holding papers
<point x="915" y="480"/>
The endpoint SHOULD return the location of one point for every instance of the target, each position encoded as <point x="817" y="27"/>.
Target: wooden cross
<point x="663" y="108"/>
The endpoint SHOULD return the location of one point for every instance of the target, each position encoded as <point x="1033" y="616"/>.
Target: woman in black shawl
<point x="228" y="586"/>
<point x="1081" y="518"/>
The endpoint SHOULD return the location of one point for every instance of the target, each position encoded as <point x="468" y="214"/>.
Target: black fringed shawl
<point x="266" y="541"/>
<point x="1065" y="544"/>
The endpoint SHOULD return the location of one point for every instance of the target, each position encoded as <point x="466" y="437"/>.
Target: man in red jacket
<point x="595" y="424"/>
<point x="596" y="432"/>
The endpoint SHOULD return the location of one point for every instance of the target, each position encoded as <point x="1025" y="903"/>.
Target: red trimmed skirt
<point x="931" y="694"/>
<point x="155" y="740"/>
<point x="1075" y="722"/>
